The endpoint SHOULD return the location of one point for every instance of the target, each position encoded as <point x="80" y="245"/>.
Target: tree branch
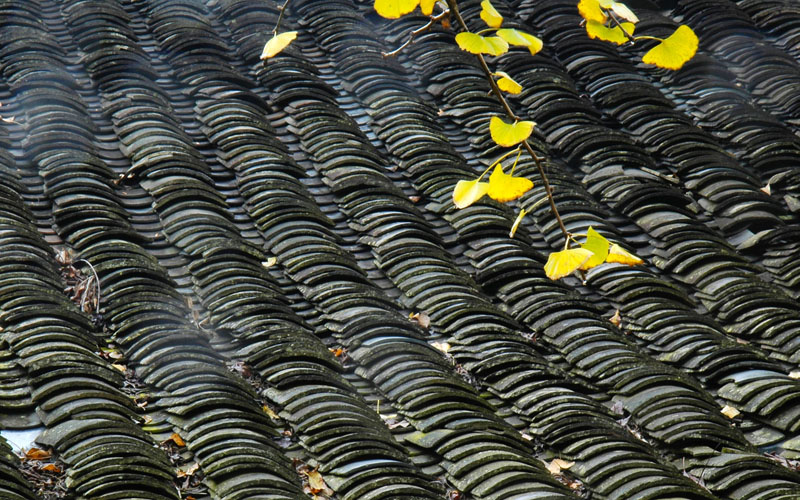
<point x="453" y="7"/>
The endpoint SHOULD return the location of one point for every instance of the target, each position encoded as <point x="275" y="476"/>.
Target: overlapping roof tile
<point x="241" y="243"/>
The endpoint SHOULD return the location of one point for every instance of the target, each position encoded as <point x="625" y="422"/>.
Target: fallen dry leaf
<point x="795" y="374"/>
<point x="767" y="190"/>
<point x="118" y="367"/>
<point x="52" y="468"/>
<point x="175" y="438"/>
<point x="189" y="470"/>
<point x="557" y="465"/>
<point x="421" y="319"/>
<point x="269" y="262"/>
<point x="616" y="319"/>
<point x="317" y="483"/>
<point x="37" y="454"/>
<point x="730" y="411"/>
<point x="337" y="351"/>
<point x="441" y="346"/>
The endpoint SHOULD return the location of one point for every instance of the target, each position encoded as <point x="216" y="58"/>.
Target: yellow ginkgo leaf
<point x="504" y="187"/>
<point x="393" y="9"/>
<point x="476" y="44"/>
<point x="426" y="6"/>
<point x="560" y="264"/>
<point x="508" y="84"/>
<point x="673" y="52"/>
<point x="489" y="14"/>
<point x="614" y="35"/>
<point x="509" y="134"/>
<point x="277" y="43"/>
<point x="619" y="9"/>
<point x="598" y="245"/>
<point x="591" y="11"/>
<point x="468" y="192"/>
<point x="517" y="37"/>
<point x="517" y="222"/>
<point x="618" y="254"/>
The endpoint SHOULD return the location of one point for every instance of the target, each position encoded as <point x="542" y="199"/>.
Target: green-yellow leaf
<point x="517" y="222"/>
<point x="509" y="134"/>
<point x="426" y="6"/>
<point x="619" y="255"/>
<point x="619" y="9"/>
<point x="598" y="245"/>
<point x="560" y="264"/>
<point x="614" y="35"/>
<point x="504" y="187"/>
<point x="468" y="192"/>
<point x="476" y="44"/>
<point x="675" y="51"/>
<point x="508" y="84"/>
<point x="490" y="16"/>
<point x="517" y="37"/>
<point x="591" y="11"/>
<point x="277" y="43"/>
<point x="393" y="9"/>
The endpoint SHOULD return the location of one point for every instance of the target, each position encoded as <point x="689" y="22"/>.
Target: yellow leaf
<point x="517" y="222"/>
<point x="393" y="9"/>
<point x="598" y="245"/>
<point x="730" y="411"/>
<point x="619" y="9"/>
<point x="560" y="264"/>
<point x="504" y="187"/>
<point x="591" y="11"/>
<point x="277" y="43"/>
<point x="476" y="44"/>
<point x="489" y="14"/>
<point x="618" y="254"/>
<point x="426" y="6"/>
<point x="270" y="412"/>
<point x="507" y="83"/>
<point x="614" y="35"/>
<point x="468" y="192"/>
<point x="673" y="52"/>
<point x="271" y="261"/>
<point x="509" y="134"/>
<point x="795" y="374"/>
<point x="520" y="38"/>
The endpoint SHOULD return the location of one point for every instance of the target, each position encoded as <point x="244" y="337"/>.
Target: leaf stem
<point x="433" y="20"/>
<point x="453" y="7"/>
<point x="280" y="16"/>
<point x="616" y="20"/>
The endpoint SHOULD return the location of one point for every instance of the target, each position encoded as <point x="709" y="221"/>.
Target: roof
<point x="262" y="231"/>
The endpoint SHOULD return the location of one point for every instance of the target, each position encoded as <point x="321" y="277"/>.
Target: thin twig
<point x="96" y="279"/>
<point x="280" y="16"/>
<point x="499" y="94"/>
<point x="433" y="20"/>
<point x="616" y="20"/>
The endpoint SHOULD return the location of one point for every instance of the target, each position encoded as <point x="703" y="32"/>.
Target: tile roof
<point x="152" y="143"/>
